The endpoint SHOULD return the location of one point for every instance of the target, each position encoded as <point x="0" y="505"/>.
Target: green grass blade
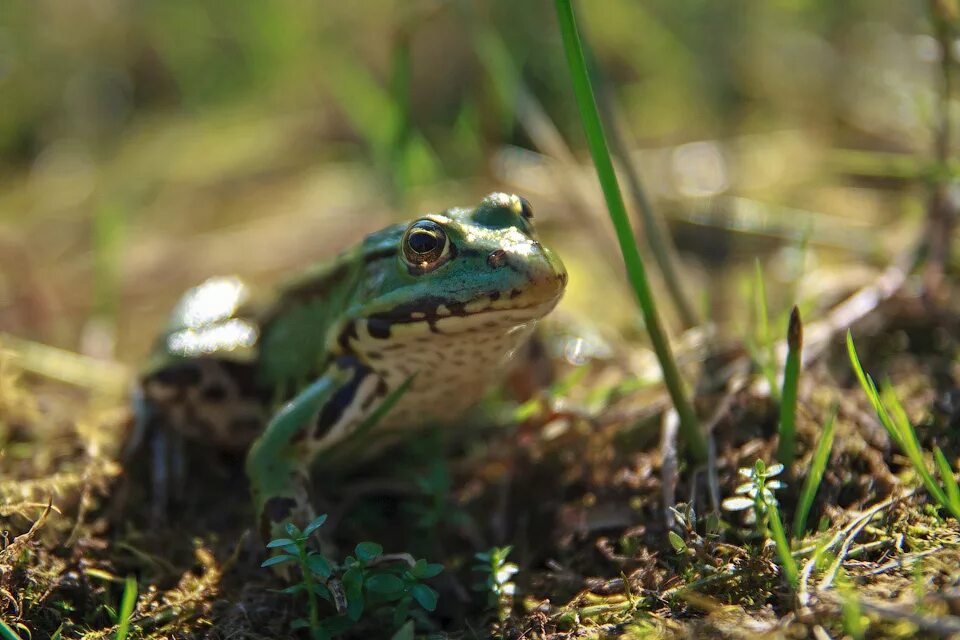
<point x="127" y="603"/>
<point x="787" y="562"/>
<point x="873" y="395"/>
<point x="7" y="632"/>
<point x="895" y="420"/>
<point x="812" y="482"/>
<point x="911" y="447"/>
<point x="949" y="480"/>
<point x="590" y="118"/>
<point x="786" y="449"/>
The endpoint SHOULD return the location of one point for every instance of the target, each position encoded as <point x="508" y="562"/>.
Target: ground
<point x="573" y="480"/>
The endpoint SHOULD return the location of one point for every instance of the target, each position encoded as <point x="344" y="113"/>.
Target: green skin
<point x="407" y="328"/>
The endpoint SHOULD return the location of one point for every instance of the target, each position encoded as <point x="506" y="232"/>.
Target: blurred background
<point x="147" y="144"/>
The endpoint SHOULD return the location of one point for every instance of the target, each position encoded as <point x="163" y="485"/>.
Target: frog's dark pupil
<point x="422" y="241"/>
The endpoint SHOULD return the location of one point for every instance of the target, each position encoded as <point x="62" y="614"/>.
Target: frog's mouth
<point x="438" y="314"/>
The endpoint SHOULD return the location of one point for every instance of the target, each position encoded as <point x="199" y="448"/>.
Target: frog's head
<point x="465" y="268"/>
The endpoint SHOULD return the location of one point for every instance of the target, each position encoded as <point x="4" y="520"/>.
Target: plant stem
<point x="590" y="118"/>
<point x="308" y="583"/>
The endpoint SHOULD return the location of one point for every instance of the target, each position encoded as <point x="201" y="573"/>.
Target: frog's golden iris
<point x="425" y="245"/>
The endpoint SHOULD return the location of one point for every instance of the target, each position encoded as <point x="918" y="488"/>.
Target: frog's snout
<point x="542" y="277"/>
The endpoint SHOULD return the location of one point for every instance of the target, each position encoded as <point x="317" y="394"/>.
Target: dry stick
<point x="857" y="523"/>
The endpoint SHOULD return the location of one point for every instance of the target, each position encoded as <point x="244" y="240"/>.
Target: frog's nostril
<point x="497" y="258"/>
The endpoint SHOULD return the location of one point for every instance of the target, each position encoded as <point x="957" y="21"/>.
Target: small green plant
<point x="786" y="449"/>
<point x="499" y="585"/>
<point x="894" y="419"/>
<point x="757" y="494"/>
<point x="757" y="490"/>
<point x="812" y="482"/>
<point x="365" y="581"/>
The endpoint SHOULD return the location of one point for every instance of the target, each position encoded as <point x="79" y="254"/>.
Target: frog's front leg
<point x="279" y="461"/>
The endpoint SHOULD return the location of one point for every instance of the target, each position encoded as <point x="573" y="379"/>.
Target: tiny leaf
<point x="676" y="542"/>
<point x="384" y="583"/>
<point x="405" y="632"/>
<point x="292" y="589"/>
<point x="269" y="562"/>
<point x="425" y="596"/>
<point x="422" y="569"/>
<point x="367" y="551"/>
<point x="319" y="565"/>
<point x="280" y="542"/>
<point x="316" y="524"/>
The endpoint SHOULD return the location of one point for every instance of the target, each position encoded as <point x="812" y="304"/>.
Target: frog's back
<point x="202" y="379"/>
<point x="223" y="361"/>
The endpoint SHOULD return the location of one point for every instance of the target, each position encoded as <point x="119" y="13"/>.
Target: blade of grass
<point x="127" y="603"/>
<point x="870" y="388"/>
<point x="786" y="449"/>
<point x="812" y="482"/>
<point x="590" y="118"/>
<point x="949" y="481"/>
<point x="900" y="429"/>
<point x="911" y="447"/>
<point x="7" y="632"/>
<point x="787" y="562"/>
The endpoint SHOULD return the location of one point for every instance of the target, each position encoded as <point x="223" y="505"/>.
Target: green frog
<point x="407" y="328"/>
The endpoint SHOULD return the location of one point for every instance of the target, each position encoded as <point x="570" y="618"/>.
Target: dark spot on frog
<point x="515" y="293"/>
<point x="276" y="509"/>
<point x="494" y="296"/>
<point x="378" y="328"/>
<point x="182" y="375"/>
<point x="214" y="393"/>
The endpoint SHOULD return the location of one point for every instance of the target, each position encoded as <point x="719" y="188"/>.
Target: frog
<point x="406" y="329"/>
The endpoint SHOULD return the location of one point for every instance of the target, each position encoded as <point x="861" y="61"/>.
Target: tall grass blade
<point x="900" y="429"/>
<point x="812" y="482"/>
<point x="127" y="603"/>
<point x="7" y="632"/>
<point x="786" y="449"/>
<point x="949" y="480"/>
<point x="590" y="118"/>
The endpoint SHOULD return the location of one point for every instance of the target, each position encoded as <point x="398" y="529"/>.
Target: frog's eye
<point x="526" y="211"/>
<point x="425" y="245"/>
